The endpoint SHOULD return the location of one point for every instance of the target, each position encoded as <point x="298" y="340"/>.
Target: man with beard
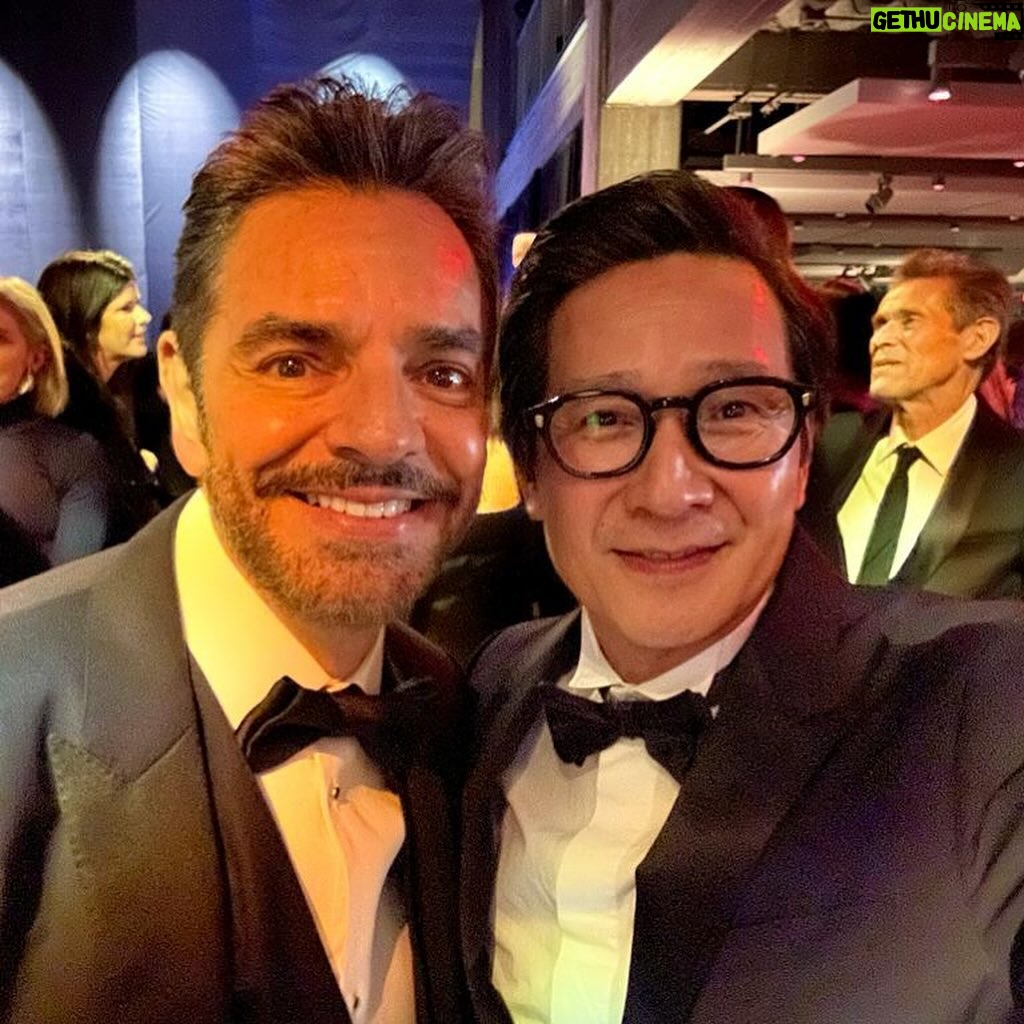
<point x="225" y="769"/>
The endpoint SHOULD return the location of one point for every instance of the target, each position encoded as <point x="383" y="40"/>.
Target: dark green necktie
<point x="885" y="533"/>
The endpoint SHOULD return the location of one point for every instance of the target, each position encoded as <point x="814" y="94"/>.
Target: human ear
<point x="979" y="337"/>
<point x="186" y="425"/>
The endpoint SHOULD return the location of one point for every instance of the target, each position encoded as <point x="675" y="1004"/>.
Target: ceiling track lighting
<point x="940" y="88"/>
<point x="879" y="199"/>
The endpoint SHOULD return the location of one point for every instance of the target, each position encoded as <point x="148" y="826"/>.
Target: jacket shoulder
<point x="519" y="657"/>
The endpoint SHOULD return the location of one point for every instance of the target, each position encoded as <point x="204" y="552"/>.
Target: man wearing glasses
<point x="733" y="788"/>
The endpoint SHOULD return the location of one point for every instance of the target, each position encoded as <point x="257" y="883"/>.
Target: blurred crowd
<point x="85" y="454"/>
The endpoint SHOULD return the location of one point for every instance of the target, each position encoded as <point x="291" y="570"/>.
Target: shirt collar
<point x="239" y="643"/>
<point x="941" y="444"/>
<point x="593" y="672"/>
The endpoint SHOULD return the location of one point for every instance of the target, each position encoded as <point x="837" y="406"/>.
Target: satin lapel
<point x="430" y="853"/>
<point x="783" y="704"/>
<point x="953" y="510"/>
<point x="281" y="972"/>
<point x="506" y="715"/>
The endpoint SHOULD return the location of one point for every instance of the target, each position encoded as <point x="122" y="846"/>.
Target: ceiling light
<point x="798" y="158"/>
<point x="939" y="183"/>
<point x="746" y="177"/>
<point x="954" y="228"/>
<point x="1018" y="163"/>
<point x="940" y="90"/>
<point x="879" y="199"/>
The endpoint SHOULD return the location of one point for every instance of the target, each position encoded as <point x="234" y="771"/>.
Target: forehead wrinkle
<point x="630" y="380"/>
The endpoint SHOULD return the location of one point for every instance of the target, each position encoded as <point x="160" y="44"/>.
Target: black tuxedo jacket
<point x="973" y="542"/>
<point x="143" y="879"/>
<point x="848" y="845"/>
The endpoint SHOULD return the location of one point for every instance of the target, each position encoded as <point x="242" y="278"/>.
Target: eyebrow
<point x="438" y="338"/>
<point x="272" y="327"/>
<point x="893" y="314"/>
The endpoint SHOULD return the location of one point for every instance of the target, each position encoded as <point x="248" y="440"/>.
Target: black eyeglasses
<point x="737" y="424"/>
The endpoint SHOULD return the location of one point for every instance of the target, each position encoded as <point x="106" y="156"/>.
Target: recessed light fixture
<point x="954" y="228"/>
<point x="1018" y="163"/>
<point x="939" y="183"/>
<point x="798" y="158"/>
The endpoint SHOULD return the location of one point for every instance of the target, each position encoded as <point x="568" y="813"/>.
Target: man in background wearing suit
<point x="225" y="771"/>
<point x="927" y="492"/>
<point x="733" y="789"/>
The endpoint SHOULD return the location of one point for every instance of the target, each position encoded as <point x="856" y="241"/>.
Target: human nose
<point x="374" y="417"/>
<point x="143" y="315"/>
<point x="880" y="336"/>
<point x="672" y="477"/>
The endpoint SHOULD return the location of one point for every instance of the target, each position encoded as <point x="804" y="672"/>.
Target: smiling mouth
<point x="682" y="555"/>
<point x="361" y="510"/>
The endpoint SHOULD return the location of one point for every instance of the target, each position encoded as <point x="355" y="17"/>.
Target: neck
<point x="339" y="650"/>
<point x="920" y="415"/>
<point x="105" y="366"/>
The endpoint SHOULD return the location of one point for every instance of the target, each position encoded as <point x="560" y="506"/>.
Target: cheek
<point x="458" y="442"/>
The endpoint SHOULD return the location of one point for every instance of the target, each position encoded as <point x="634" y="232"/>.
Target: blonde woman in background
<point x="54" y="480"/>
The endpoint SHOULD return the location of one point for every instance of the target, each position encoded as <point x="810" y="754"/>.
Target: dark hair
<point x="77" y="287"/>
<point x="648" y="216"/>
<point x="978" y="290"/>
<point x="326" y="132"/>
<point x="769" y="215"/>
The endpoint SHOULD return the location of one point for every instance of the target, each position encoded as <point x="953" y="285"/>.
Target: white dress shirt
<point x="571" y="840"/>
<point x="925" y="479"/>
<point x="341" y="826"/>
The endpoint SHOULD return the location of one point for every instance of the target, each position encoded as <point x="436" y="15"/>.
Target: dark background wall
<point x="108" y="106"/>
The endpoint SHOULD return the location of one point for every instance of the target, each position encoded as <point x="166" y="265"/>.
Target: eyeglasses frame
<point x="540" y="415"/>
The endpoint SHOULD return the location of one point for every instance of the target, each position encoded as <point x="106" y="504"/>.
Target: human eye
<point x="287" y="366"/>
<point x="453" y="383"/>
<point x="600" y="417"/>
<point x="448" y="377"/>
<point x="741" y="407"/>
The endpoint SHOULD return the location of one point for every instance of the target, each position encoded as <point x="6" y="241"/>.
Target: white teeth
<point x="374" y="510"/>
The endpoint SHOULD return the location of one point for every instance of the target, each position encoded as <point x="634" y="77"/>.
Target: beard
<point x="329" y="581"/>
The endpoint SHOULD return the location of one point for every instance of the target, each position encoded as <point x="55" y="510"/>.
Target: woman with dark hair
<point x="94" y="299"/>
<point x="54" y="481"/>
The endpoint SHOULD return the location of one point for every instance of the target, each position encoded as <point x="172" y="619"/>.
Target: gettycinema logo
<point x="1002" y="19"/>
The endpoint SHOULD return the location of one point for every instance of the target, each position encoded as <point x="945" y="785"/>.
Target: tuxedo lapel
<point x="145" y="884"/>
<point x="505" y="718"/>
<point x="430" y="854"/>
<point x="952" y="512"/>
<point x="281" y="974"/>
<point x="778" y="720"/>
<point x="854" y="455"/>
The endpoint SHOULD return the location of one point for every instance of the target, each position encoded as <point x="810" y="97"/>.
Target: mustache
<point x="344" y="474"/>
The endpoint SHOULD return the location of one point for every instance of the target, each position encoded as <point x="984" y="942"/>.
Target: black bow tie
<point x="394" y="728"/>
<point x="669" y="728"/>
